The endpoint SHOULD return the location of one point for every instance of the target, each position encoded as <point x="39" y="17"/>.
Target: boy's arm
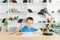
<point x="37" y="32"/>
<point x="17" y="30"/>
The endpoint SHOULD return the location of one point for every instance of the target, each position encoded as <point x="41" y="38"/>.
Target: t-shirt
<point x="26" y="29"/>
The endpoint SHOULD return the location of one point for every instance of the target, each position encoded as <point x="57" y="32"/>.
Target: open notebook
<point x="28" y="34"/>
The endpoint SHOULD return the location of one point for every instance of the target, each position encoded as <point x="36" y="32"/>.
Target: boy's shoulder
<point x="30" y="27"/>
<point x="33" y="27"/>
<point x="24" y="26"/>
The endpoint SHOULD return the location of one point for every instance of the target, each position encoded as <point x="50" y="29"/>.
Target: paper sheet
<point x="29" y="35"/>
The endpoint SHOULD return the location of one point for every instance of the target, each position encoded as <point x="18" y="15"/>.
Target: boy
<point x="27" y="28"/>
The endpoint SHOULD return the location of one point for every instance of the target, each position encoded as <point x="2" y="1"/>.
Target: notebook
<point x="29" y="34"/>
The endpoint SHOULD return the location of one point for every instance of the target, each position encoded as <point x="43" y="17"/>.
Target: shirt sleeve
<point x="21" y="30"/>
<point x="34" y="29"/>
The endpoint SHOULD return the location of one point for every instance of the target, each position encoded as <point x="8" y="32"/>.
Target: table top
<point x="8" y="36"/>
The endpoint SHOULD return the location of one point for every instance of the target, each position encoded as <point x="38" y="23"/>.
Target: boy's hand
<point x="21" y="25"/>
<point x="18" y="33"/>
<point x="37" y="32"/>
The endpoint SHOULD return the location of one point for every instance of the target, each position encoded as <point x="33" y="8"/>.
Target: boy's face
<point x="29" y="23"/>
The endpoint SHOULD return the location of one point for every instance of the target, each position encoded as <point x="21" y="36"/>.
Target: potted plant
<point x="5" y="24"/>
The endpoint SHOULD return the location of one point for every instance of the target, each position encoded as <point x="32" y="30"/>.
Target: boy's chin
<point x="28" y="26"/>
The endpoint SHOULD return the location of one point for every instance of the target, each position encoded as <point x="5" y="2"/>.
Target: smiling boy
<point x="27" y="28"/>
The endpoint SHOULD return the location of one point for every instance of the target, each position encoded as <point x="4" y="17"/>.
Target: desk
<point x="6" y="36"/>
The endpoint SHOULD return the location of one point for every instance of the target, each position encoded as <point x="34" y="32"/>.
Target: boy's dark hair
<point x="29" y="18"/>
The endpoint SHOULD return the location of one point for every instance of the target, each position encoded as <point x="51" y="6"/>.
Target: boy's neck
<point x="28" y="26"/>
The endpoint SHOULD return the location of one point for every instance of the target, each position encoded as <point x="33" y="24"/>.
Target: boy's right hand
<point x="21" y="25"/>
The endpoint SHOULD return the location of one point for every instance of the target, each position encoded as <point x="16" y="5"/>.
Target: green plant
<point x="0" y="28"/>
<point x="47" y="25"/>
<point x="16" y="17"/>
<point x="10" y="18"/>
<point x="58" y="26"/>
<point x="5" y="23"/>
<point x="52" y="25"/>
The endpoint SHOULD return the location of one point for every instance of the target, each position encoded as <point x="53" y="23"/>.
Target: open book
<point x="28" y="34"/>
